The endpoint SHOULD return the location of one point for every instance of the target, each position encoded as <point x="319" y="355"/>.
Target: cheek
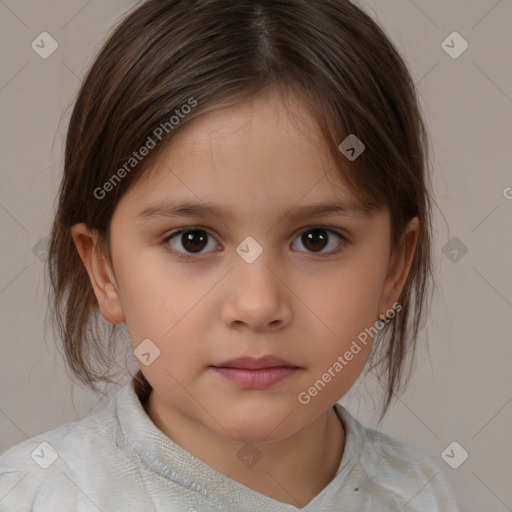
<point x="340" y="316"/>
<point x="347" y="301"/>
<point x="340" y="341"/>
<point x="156" y="291"/>
<point x="173" y="311"/>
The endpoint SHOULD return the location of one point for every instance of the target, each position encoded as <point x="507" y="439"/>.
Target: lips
<point x="252" y="363"/>
<point x="256" y="373"/>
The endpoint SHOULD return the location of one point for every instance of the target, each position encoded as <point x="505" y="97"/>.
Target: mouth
<point x="255" y="363"/>
<point x="256" y="373"/>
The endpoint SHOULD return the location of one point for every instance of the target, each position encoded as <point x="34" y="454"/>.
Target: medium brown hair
<point x="329" y="53"/>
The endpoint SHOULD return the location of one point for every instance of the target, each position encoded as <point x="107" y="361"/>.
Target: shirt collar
<point x="151" y="447"/>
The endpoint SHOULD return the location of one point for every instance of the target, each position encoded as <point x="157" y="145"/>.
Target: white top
<point x="118" y="460"/>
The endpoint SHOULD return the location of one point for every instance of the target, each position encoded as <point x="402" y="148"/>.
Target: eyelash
<point x="187" y="257"/>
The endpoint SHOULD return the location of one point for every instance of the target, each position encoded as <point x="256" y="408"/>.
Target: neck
<point x="292" y="470"/>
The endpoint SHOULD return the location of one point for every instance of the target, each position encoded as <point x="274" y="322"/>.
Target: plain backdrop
<point x="462" y="388"/>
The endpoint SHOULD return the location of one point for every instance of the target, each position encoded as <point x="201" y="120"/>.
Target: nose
<point x="257" y="296"/>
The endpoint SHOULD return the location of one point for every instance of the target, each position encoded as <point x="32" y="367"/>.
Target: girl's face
<point x="265" y="276"/>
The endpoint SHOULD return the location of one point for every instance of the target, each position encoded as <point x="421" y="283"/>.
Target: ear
<point x="399" y="266"/>
<point x="100" y="273"/>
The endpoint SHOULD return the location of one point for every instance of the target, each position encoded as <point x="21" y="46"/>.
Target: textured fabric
<point x="118" y="460"/>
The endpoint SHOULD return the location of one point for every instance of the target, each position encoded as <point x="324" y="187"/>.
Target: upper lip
<point x="254" y="363"/>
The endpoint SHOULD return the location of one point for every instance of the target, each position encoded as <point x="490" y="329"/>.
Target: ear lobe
<point x="99" y="271"/>
<point x="399" y="266"/>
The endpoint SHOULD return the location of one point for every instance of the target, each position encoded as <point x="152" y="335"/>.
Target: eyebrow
<point x="350" y="208"/>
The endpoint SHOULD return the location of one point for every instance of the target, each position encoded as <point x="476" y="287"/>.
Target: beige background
<point x="462" y="388"/>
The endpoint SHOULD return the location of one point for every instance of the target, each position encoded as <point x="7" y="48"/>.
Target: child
<point x="283" y="138"/>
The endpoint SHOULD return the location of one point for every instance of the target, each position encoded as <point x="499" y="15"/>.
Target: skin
<point x="298" y="301"/>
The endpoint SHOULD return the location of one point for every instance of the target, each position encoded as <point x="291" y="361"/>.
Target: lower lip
<point x="257" y="378"/>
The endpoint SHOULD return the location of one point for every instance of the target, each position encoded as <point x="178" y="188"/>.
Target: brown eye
<point x="317" y="239"/>
<point x="193" y="241"/>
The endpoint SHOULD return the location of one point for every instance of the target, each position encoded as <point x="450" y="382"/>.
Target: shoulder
<point x="400" y="471"/>
<point x="44" y="472"/>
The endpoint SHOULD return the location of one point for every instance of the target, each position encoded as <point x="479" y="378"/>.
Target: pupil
<point x="194" y="240"/>
<point x="315" y="238"/>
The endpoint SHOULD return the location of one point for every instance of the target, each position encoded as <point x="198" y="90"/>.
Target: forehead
<point x="263" y="128"/>
<point x="251" y="156"/>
